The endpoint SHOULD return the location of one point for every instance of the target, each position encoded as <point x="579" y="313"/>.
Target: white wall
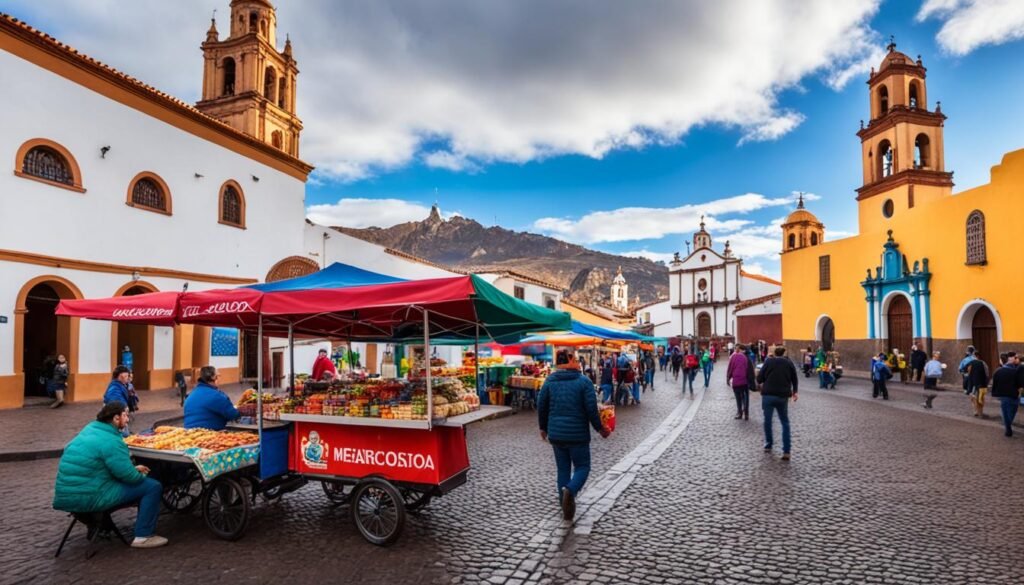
<point x="346" y="249"/>
<point x="98" y="225"/>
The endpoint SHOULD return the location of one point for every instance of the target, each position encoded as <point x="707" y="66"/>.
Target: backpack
<point x="691" y="361"/>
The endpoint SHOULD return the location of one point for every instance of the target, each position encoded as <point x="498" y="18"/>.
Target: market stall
<point x="382" y="449"/>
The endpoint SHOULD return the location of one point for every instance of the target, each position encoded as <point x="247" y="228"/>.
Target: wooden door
<point x="901" y="325"/>
<point x="704" y="326"/>
<point x="984" y="338"/>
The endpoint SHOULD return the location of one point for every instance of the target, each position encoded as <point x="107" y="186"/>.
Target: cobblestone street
<point x="680" y="493"/>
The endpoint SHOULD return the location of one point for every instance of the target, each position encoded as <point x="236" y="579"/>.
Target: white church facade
<point x="705" y="290"/>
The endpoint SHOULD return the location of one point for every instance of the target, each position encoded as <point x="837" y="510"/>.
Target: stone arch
<point x="886" y="161"/>
<point x="965" y="319"/>
<point x="825" y="332"/>
<point x="883" y="100"/>
<point x="897" y="332"/>
<point x="67" y="337"/>
<point x="72" y="165"/>
<point x="922" y="151"/>
<point x="291" y="267"/>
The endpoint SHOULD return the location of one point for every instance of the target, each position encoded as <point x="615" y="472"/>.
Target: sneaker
<point x="148" y="542"/>
<point x="785" y="456"/>
<point x="568" y="504"/>
<point x="767" y="448"/>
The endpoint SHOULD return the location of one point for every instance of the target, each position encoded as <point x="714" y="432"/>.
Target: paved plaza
<point x="680" y="493"/>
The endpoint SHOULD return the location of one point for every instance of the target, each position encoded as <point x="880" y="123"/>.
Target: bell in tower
<point x="247" y="83"/>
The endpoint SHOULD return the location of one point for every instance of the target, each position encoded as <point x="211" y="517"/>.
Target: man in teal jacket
<point x="96" y="473"/>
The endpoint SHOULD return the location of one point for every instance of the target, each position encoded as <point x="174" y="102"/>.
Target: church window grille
<point x="824" y="272"/>
<point x="147" y="193"/>
<point x="231" y="206"/>
<point x="976" y="238"/>
<point x="46" y="163"/>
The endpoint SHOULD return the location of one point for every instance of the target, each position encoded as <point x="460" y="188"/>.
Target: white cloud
<point x="665" y="257"/>
<point x="969" y="24"/>
<point x="383" y="84"/>
<point x="642" y="223"/>
<point x="363" y="213"/>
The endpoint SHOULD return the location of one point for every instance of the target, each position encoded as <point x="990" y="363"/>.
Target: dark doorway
<point x="984" y="338"/>
<point x="41" y="335"/>
<point x="250" y="355"/>
<point x="704" y="326"/>
<point x="828" y="335"/>
<point x="901" y="324"/>
<point x="137" y="337"/>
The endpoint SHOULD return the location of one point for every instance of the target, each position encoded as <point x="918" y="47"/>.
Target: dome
<point x="801" y="215"/>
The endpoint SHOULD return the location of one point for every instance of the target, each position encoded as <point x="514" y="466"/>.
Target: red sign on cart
<point x="410" y="455"/>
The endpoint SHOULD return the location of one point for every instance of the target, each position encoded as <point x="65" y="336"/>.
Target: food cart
<point x="380" y="467"/>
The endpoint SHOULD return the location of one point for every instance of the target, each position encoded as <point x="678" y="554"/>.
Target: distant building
<point x="620" y="292"/>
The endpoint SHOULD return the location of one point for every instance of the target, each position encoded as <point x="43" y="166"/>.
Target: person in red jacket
<point x="323" y="364"/>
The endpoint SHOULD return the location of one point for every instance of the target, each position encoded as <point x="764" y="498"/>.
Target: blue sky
<point x="562" y="117"/>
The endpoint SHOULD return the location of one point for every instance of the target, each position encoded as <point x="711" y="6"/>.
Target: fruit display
<point x="386" y="399"/>
<point x="167" y="438"/>
<point x="527" y="382"/>
<point x="271" y="405"/>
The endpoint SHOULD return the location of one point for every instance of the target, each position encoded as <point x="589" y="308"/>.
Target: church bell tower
<point x="247" y="83"/>
<point x="902" y="144"/>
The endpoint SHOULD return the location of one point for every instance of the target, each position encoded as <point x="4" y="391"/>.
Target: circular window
<point x="702" y="284"/>
<point x="888" y="207"/>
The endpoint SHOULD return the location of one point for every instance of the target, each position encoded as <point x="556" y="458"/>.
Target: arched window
<point x="915" y="94"/>
<point x="232" y="205"/>
<point x="148" y="191"/>
<point x="814" y="238"/>
<point x="46" y="161"/>
<point x="269" y="83"/>
<point x="922" y="152"/>
<point x="883" y="100"/>
<point x="976" y="238"/>
<point x="277" y="139"/>
<point x="792" y="241"/>
<point x="229" y="77"/>
<point x="254" y="18"/>
<point x="885" y="159"/>
<point x="282" y="93"/>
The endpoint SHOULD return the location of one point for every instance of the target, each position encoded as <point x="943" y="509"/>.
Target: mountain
<point x="463" y="243"/>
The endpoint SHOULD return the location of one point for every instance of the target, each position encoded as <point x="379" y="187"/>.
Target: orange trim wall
<point x="89" y="266"/>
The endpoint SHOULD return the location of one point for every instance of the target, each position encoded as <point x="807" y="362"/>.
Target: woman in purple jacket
<point x="740" y="375"/>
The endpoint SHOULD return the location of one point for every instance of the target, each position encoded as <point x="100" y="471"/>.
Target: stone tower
<point x="620" y="292"/>
<point x="902" y="145"/>
<point x="801" y="229"/>
<point x="247" y="83"/>
<point x="701" y="239"/>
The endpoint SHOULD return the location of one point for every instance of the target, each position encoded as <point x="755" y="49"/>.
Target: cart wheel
<point x="182" y="498"/>
<point x="226" y="508"/>
<point x="378" y="511"/>
<point x="336" y="491"/>
<point x="414" y="499"/>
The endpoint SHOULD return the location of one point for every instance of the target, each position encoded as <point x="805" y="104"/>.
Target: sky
<point x="611" y="124"/>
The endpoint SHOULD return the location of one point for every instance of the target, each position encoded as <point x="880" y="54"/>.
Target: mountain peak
<point x="435" y="214"/>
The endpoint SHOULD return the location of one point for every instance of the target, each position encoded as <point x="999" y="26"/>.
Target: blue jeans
<point x="636" y="392"/>
<point x="147" y="493"/>
<point x="690" y="377"/>
<point x="707" y="374"/>
<point x="649" y="376"/>
<point x="1009" y="407"/>
<point x="573" y="463"/>
<point x="770" y="405"/>
<point x="606" y="392"/>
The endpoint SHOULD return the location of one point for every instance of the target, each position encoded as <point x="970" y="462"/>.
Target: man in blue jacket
<point x="206" y="406"/>
<point x="566" y="407"/>
<point x="117" y="391"/>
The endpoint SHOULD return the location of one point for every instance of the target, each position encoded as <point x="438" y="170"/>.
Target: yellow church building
<point x="927" y="266"/>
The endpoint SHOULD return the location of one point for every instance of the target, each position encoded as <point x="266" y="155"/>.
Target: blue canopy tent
<point x="336" y="275"/>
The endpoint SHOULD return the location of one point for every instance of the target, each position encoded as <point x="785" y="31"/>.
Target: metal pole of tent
<point x="291" y="359"/>
<point x="476" y="354"/>
<point x="259" y="381"/>
<point x="426" y="357"/>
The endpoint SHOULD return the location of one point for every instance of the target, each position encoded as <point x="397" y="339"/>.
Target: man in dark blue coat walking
<point x="566" y="407"/>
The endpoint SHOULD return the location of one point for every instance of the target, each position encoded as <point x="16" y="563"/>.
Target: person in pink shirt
<point x="740" y="375"/>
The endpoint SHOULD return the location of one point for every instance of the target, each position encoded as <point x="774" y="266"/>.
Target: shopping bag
<point x="608" y="417"/>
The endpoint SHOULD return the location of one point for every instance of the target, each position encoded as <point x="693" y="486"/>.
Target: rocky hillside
<point x="465" y="244"/>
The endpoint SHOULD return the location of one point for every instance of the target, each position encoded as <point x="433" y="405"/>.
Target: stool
<point x="97" y="524"/>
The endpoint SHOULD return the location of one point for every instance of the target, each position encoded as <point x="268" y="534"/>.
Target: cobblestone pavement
<point x="875" y="494"/>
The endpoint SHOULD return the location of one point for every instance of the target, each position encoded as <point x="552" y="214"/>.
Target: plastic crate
<point x="274" y="453"/>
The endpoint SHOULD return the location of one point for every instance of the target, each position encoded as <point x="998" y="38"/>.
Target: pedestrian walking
<point x="898" y="363"/>
<point x="739" y="374"/>
<point x="932" y="373"/>
<point x="964" y="363"/>
<point x="880" y="374"/>
<point x="566" y="407"/>
<point x="808" y="363"/>
<point x="977" y="384"/>
<point x="1006" y="387"/>
<point x="56" y="373"/>
<point x="691" y="363"/>
<point x="607" y="380"/>
<point x="918" y="358"/>
<point x="779" y="383"/>
<point x="707" y="363"/>
<point x="648" y="371"/>
<point x="662" y="358"/>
